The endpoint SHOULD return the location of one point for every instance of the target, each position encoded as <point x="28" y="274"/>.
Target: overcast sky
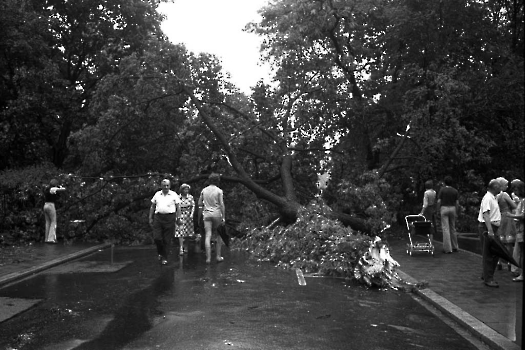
<point x="216" y="27"/>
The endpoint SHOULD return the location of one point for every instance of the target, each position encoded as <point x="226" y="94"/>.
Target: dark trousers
<point x="430" y="215"/>
<point x="163" y="230"/>
<point x="490" y="261"/>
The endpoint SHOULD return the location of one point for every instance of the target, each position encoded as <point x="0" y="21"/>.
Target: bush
<point x="116" y="204"/>
<point x="21" y="209"/>
<point x="370" y="197"/>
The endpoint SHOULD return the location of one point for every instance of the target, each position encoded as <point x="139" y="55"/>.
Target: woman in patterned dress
<point x="187" y="207"/>
<point x="507" y="228"/>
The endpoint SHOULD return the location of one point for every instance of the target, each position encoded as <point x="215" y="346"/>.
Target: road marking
<point x="300" y="277"/>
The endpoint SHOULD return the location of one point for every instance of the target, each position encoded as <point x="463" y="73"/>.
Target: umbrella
<point x="221" y="230"/>
<point x="497" y="248"/>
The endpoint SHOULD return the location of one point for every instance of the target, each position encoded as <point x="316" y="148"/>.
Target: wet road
<point x="135" y="303"/>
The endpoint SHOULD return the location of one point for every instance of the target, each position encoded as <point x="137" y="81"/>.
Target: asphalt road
<point x="134" y="303"/>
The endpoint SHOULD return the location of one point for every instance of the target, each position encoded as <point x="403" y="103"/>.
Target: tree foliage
<point x="382" y="95"/>
<point x="54" y="53"/>
<point x="450" y="70"/>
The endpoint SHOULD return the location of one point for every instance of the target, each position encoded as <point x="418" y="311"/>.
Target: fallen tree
<point x="319" y="246"/>
<point x="287" y="204"/>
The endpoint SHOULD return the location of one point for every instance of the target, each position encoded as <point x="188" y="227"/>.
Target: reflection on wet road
<point x="239" y="304"/>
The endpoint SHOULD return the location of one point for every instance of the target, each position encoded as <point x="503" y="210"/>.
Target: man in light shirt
<point x="211" y="203"/>
<point x="489" y="219"/>
<point x="163" y="213"/>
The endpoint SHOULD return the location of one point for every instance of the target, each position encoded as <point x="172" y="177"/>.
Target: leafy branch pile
<point x="319" y="245"/>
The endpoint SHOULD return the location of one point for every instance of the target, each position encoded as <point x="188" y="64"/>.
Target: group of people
<point x="500" y="218"/>
<point x="446" y="202"/>
<point x="171" y="215"/>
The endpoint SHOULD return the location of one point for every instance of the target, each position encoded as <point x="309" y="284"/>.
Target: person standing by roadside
<point x="163" y="213"/>
<point x="513" y="185"/>
<point x="507" y="229"/>
<point x="214" y="213"/>
<point x="429" y="204"/>
<point x="489" y="219"/>
<point x="519" y="215"/>
<point x="448" y="204"/>
<point x="187" y="208"/>
<point x="50" y="197"/>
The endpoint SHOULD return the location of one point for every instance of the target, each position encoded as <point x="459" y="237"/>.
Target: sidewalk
<point x="454" y="287"/>
<point x="44" y="256"/>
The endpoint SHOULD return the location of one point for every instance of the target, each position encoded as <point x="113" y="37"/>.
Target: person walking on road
<point x="187" y="208"/>
<point x="211" y="203"/>
<point x="489" y="219"/>
<point x="429" y="204"/>
<point x="50" y="197"/>
<point x="448" y="204"/>
<point x="163" y="213"/>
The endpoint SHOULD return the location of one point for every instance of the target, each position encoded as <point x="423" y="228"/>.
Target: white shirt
<point x="165" y="203"/>
<point x="489" y="203"/>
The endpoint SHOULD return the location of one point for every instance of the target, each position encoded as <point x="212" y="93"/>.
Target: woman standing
<point x="507" y="229"/>
<point x="519" y="216"/>
<point x="187" y="208"/>
<point x="429" y="204"/>
<point x="50" y="197"/>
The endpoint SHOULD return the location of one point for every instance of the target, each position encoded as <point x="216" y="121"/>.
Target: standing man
<point x="211" y="203"/>
<point x="448" y="202"/>
<point x="489" y="219"/>
<point x="163" y="213"/>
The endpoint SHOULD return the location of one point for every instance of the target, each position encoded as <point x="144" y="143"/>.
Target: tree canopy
<point x="381" y="95"/>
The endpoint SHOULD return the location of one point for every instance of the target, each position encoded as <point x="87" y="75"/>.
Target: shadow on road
<point x="135" y="315"/>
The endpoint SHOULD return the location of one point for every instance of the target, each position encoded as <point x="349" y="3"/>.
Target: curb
<point x="15" y="276"/>
<point x="474" y="326"/>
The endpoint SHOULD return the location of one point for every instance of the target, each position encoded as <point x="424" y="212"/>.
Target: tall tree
<point x="376" y="67"/>
<point x="77" y="43"/>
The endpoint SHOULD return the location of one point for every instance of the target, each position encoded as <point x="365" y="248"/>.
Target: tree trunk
<point x="288" y="204"/>
<point x="349" y="220"/>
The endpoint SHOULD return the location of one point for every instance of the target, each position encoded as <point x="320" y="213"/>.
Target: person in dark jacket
<point x="448" y="204"/>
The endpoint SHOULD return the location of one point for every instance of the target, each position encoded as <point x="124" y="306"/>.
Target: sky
<point x="216" y="27"/>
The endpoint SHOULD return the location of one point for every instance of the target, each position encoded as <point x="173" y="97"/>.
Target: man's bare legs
<point x="209" y="224"/>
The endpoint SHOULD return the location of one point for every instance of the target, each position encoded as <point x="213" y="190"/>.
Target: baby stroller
<point x="417" y="226"/>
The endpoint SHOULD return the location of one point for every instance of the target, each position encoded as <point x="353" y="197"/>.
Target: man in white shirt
<point x="163" y="213"/>
<point x="489" y="219"/>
